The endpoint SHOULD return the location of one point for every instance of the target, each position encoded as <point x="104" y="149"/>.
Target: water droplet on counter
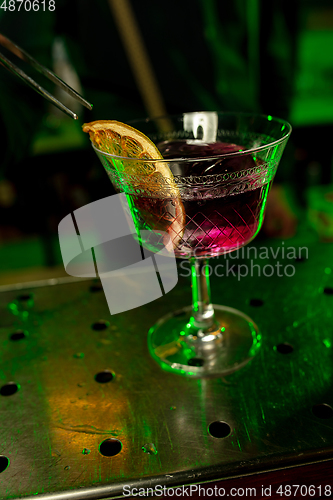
<point x="17" y="311"/>
<point x="150" y="449"/>
<point x="78" y="355"/>
<point x="13" y="308"/>
<point x="327" y="343"/>
<point x="105" y="341"/>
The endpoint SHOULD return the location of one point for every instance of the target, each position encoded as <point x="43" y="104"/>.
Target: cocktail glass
<point x="223" y="165"/>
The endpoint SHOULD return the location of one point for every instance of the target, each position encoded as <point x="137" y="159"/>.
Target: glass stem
<point x="202" y="308"/>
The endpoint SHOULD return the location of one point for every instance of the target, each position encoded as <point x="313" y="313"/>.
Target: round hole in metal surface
<point x="104" y="377"/>
<point x="24" y="297"/>
<point x="178" y="314"/>
<point x="284" y="348"/>
<point x="256" y="302"/>
<point x="4" y="462"/>
<point x="9" y="389"/>
<point x="18" y="335"/>
<point x="110" y="447"/>
<point x="195" y="362"/>
<point x="100" y="325"/>
<point x="322" y="411"/>
<point x="328" y="290"/>
<point x="219" y="429"/>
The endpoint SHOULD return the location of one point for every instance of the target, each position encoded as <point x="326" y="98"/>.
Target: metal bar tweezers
<point x="22" y="54"/>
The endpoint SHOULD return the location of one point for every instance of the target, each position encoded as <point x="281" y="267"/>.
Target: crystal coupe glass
<point x="223" y="165"/>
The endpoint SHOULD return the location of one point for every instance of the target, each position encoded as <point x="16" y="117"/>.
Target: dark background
<point x="247" y="55"/>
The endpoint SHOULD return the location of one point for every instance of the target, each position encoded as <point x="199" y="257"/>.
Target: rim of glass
<point x="269" y="118"/>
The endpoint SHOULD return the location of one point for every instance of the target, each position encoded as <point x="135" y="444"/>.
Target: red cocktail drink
<point x="222" y="199"/>
<point x="205" y="182"/>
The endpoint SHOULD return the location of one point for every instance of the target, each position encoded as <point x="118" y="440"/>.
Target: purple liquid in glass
<point x="223" y="199"/>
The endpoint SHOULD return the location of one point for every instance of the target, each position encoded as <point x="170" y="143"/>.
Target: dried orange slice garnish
<point x="153" y="189"/>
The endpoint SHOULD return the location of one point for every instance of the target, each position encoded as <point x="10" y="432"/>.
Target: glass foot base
<point x="178" y="348"/>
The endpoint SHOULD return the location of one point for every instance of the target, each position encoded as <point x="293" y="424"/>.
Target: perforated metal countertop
<point x="73" y="377"/>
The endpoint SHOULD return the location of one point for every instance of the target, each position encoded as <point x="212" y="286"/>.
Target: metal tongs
<point x="22" y="54"/>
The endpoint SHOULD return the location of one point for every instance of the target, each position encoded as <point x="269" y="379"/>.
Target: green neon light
<point x="327" y="343"/>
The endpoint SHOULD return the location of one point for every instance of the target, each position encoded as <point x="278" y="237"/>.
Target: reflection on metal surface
<point x="150" y="448"/>
<point x="91" y="406"/>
